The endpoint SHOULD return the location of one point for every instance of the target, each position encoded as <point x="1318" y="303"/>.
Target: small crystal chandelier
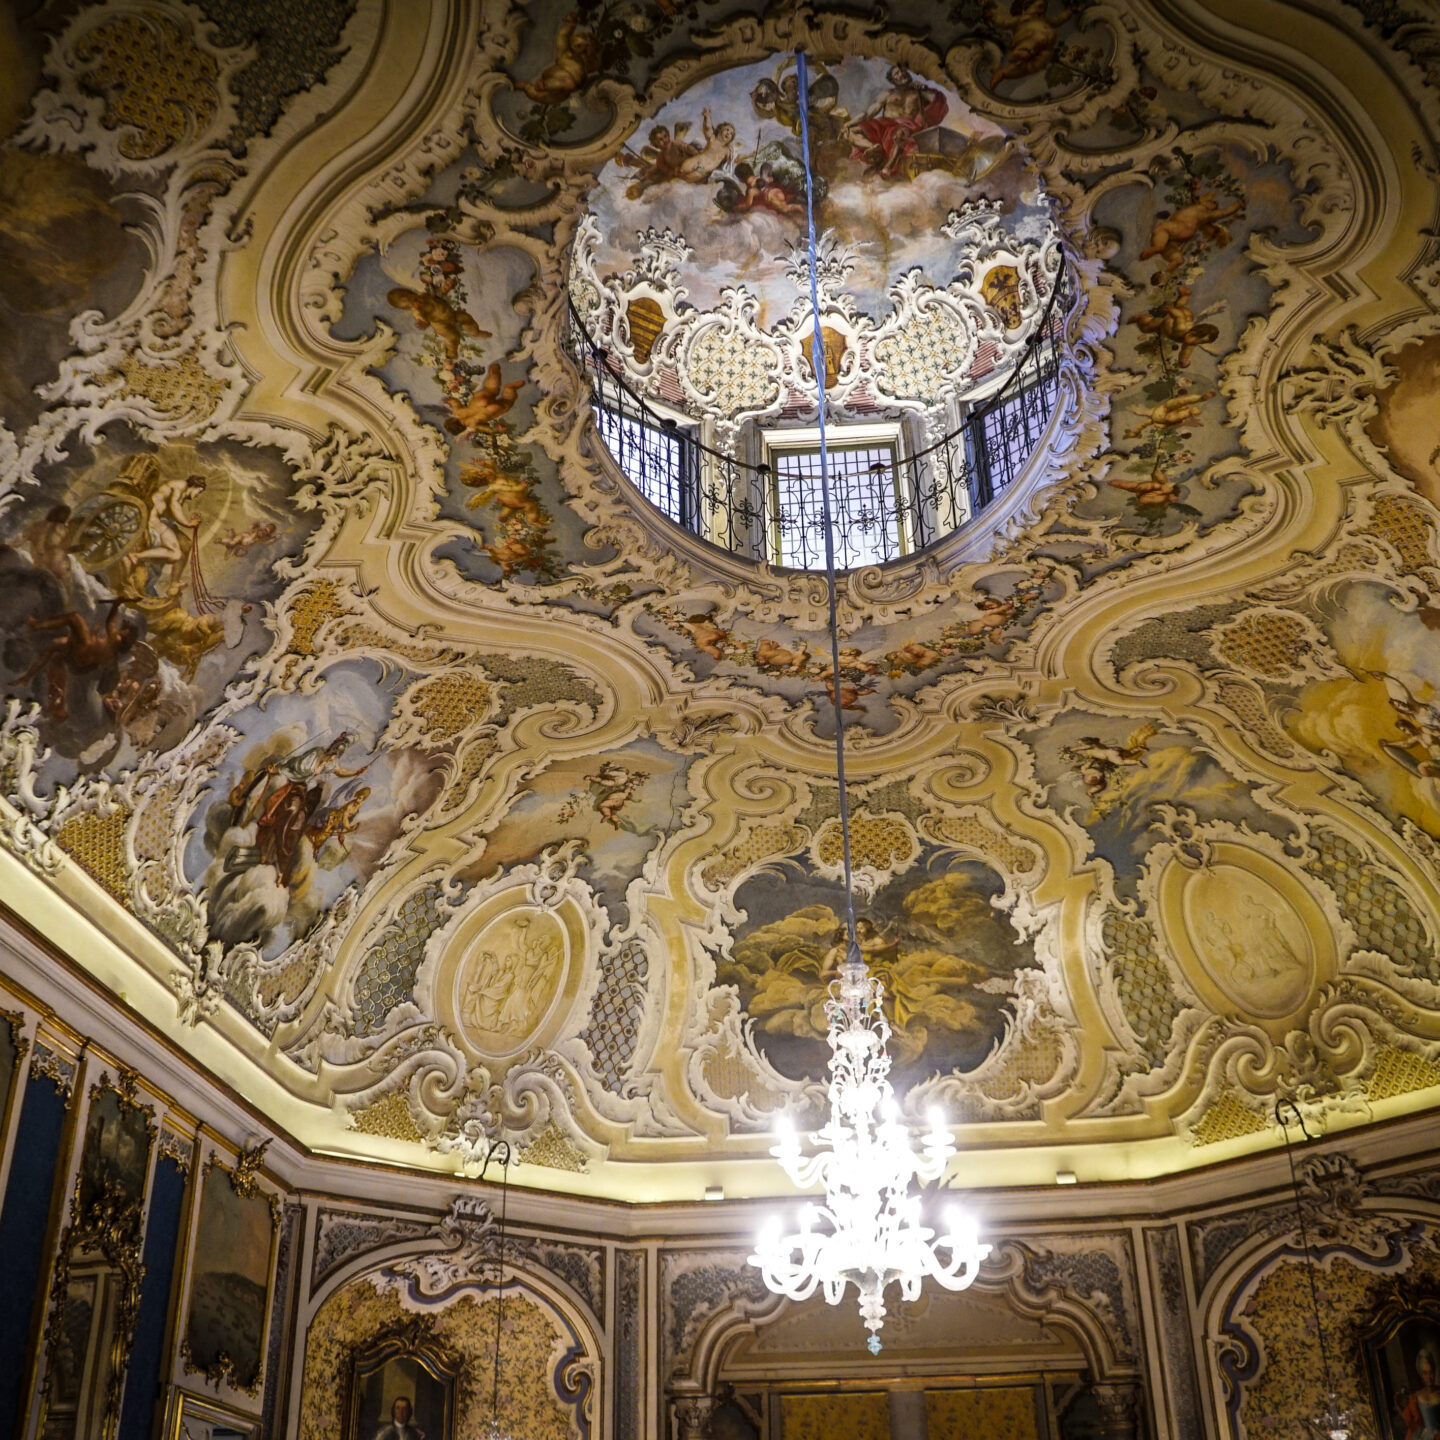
<point x="494" y="1430"/>
<point x="1335" y="1423"/>
<point x="869" y="1231"/>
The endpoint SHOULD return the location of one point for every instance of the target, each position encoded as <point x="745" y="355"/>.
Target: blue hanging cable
<point x="817" y="364"/>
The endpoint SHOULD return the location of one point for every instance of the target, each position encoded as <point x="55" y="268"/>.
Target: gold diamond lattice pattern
<point x="97" y="841"/>
<point x="972" y="832"/>
<point x="616" y="1012"/>
<point x="179" y="388"/>
<point x="728" y="1075"/>
<point x="924" y="356"/>
<point x="387" y="975"/>
<point x="1246" y="703"/>
<point x="1032" y="1060"/>
<point x="875" y="840"/>
<point x="1403" y="524"/>
<point x="311" y="609"/>
<point x="1266" y="643"/>
<point x="554" y="1150"/>
<point x="390" y="1117"/>
<point x="732" y="370"/>
<point x="1226" y="1119"/>
<point x="1143" y="987"/>
<point x="756" y="844"/>
<point x="156" y="83"/>
<point x="450" y="703"/>
<point x="1383" y="918"/>
<point x="1400" y="1072"/>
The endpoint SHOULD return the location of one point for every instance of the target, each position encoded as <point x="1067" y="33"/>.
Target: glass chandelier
<point x="1335" y="1423"/>
<point x="869" y="1231"/>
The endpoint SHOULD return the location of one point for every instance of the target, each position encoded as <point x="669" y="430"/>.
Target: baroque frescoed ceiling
<point x="371" y="736"/>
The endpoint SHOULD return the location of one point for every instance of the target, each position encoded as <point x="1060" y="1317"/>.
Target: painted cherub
<point x="999" y="611"/>
<point x="717" y="151"/>
<point x="850" y="693"/>
<point x="772" y="656"/>
<point x="1032" y="37"/>
<point x="577" y="58"/>
<point x="485" y="406"/>
<point x="659" y="161"/>
<point x="236" y="543"/>
<point x="1097" y="761"/>
<point x="448" y="321"/>
<point x="1181" y="409"/>
<point x="339" y="823"/>
<point x="1175" y="321"/>
<point x="611" y="788"/>
<point x="1156" y="491"/>
<point x="708" y="637"/>
<point x="513" y="495"/>
<point x="1202" y="216"/>
<point x="915" y="656"/>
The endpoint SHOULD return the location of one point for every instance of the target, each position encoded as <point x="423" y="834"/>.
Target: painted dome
<point x="937" y="251"/>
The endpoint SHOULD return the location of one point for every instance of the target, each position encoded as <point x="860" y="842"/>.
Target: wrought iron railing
<point x="887" y="501"/>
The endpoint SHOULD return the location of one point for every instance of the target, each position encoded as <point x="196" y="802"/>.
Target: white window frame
<point x="869" y="435"/>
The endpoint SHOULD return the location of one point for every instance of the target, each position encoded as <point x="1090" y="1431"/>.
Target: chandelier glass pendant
<point x="1335" y="1423"/>
<point x="869" y="1231"/>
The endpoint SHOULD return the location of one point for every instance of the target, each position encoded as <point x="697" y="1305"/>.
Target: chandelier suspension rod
<point x="869" y="1230"/>
<point x="817" y="364"/>
<point x="502" y="1147"/>
<point x="1280" y="1108"/>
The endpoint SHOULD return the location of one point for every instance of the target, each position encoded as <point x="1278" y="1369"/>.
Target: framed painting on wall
<point x="402" y="1389"/>
<point x="95" y="1289"/>
<point x="193" y="1417"/>
<point x="1402" y="1360"/>
<point x="234" y="1259"/>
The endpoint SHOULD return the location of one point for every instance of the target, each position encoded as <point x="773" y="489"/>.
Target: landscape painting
<point x="230" y="1284"/>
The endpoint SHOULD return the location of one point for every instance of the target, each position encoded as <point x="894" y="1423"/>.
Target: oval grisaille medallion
<point x="1248" y="935"/>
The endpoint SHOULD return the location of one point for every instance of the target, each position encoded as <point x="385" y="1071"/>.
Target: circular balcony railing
<point x="887" y="501"/>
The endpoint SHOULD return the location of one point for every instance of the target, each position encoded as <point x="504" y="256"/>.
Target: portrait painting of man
<point x="401" y="1397"/>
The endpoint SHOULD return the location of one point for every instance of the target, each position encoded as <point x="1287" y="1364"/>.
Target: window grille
<point x="865" y="505"/>
<point x="888" y="501"/>
<point x="656" y="459"/>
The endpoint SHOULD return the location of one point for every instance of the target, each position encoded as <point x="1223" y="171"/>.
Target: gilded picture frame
<point x="197" y="1417"/>
<point x="403" y="1367"/>
<point x="230" y="1285"/>
<point x="1401" y="1347"/>
<point x="95" y="1284"/>
<point x="14" y="1046"/>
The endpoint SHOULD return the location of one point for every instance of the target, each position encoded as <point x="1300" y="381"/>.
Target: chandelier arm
<point x="817" y="364"/>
